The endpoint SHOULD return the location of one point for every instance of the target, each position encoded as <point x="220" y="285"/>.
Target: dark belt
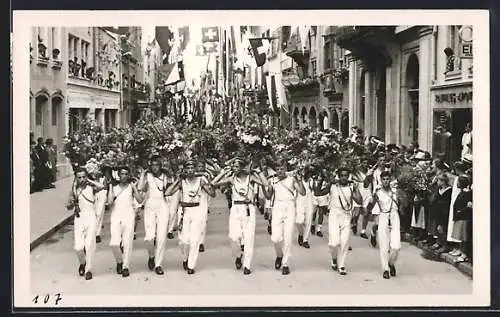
<point x="187" y="205"/>
<point x="242" y="202"/>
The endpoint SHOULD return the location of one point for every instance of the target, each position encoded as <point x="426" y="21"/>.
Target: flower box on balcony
<point x="42" y="61"/>
<point x="56" y="64"/>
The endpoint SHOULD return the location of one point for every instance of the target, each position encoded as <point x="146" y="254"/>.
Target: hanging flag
<point x="164" y="36"/>
<point x="211" y="47"/>
<point x="176" y="73"/>
<point x="280" y="93"/>
<point x="210" y="34"/>
<point x="183" y="37"/>
<point x="260" y="49"/>
<point x="303" y="34"/>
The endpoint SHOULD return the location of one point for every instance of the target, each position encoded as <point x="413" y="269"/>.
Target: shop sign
<point x="466" y="50"/>
<point x="456" y="98"/>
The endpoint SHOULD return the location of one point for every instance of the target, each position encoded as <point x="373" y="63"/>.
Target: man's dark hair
<point x="124" y="168"/>
<point x="385" y="174"/>
<point x="80" y="170"/>
<point x="156" y="158"/>
<point x="343" y="169"/>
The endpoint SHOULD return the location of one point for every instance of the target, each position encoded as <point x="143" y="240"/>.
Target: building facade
<point x="134" y="97"/>
<point x="411" y="83"/>
<point x="48" y="88"/>
<point x="93" y="85"/>
<point x="152" y="61"/>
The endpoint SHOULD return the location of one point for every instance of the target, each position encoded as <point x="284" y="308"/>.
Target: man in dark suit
<point x="42" y="170"/>
<point x="52" y="159"/>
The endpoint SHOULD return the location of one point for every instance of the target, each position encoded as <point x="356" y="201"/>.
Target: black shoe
<point x="125" y="272"/>
<point x="151" y="263"/>
<point x="350" y="248"/>
<point x="159" y="270"/>
<point x="119" y="268"/>
<point x="190" y="271"/>
<point x="306" y="245"/>
<point x="242" y="247"/>
<point x="88" y="275"/>
<point x="354" y="229"/>
<point x="135" y="237"/>
<point x="185" y="265"/>
<point x="277" y="263"/>
<point x="373" y="240"/>
<point x="246" y="271"/>
<point x="300" y="240"/>
<point x="342" y="271"/>
<point x="266" y="215"/>
<point x="201" y="248"/>
<point x="392" y="269"/>
<point x="313" y="229"/>
<point x="319" y="234"/>
<point x="170" y="235"/>
<point x="238" y="263"/>
<point x="269" y="230"/>
<point x="335" y="266"/>
<point x="363" y="235"/>
<point x="81" y="269"/>
<point x="98" y="239"/>
<point x="285" y="270"/>
<point x="386" y="275"/>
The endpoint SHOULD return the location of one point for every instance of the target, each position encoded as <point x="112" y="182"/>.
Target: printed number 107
<point x="46" y="299"/>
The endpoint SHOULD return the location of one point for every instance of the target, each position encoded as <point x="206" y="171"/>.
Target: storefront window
<point x="448" y="129"/>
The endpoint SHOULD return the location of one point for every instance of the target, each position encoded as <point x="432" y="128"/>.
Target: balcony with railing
<point x="298" y="51"/>
<point x="366" y="42"/>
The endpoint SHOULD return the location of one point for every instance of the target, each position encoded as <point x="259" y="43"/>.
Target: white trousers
<point x="305" y="212"/>
<point x="100" y="209"/>
<point x="282" y="225"/>
<point x="192" y="227"/>
<point x="339" y="232"/>
<point x="173" y="208"/>
<point x="85" y="236"/>
<point x="389" y="238"/>
<point x="122" y="232"/>
<point x="156" y="217"/>
<point x="242" y="231"/>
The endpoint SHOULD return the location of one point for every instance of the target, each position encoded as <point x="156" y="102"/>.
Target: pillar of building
<point x="425" y="114"/>
<point x="353" y="105"/>
<point x="369" y="104"/>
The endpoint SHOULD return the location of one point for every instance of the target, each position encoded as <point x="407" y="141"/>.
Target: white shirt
<point x="387" y="202"/>
<point x="191" y="191"/>
<point x="283" y="190"/>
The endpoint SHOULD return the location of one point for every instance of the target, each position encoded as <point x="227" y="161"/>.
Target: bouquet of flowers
<point x="93" y="167"/>
<point x="83" y="144"/>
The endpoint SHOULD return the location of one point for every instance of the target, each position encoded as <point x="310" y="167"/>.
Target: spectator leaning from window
<point x="450" y="60"/>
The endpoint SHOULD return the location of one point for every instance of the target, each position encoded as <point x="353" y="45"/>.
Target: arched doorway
<point x="303" y="116"/>
<point x="41" y="107"/>
<point x="412" y="84"/>
<point x="324" y="120"/>
<point x="312" y="118"/>
<point x="295" y="118"/>
<point x="335" y="120"/>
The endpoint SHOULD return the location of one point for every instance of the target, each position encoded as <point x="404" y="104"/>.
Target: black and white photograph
<point x="251" y="158"/>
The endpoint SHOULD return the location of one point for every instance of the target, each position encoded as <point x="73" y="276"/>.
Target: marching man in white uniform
<point x="121" y="200"/>
<point x="282" y="191"/>
<point x="305" y="211"/>
<point x="243" y="210"/>
<point x="82" y="200"/>
<point x="384" y="205"/>
<point x="156" y="213"/>
<point x="102" y="199"/>
<point x="341" y="205"/>
<point x="192" y="219"/>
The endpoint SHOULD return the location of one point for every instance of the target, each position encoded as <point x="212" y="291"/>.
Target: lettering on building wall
<point x="454" y="97"/>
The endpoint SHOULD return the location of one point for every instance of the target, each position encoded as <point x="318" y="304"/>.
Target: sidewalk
<point x="464" y="267"/>
<point x="47" y="211"/>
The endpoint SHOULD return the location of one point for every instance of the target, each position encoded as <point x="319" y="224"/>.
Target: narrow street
<point x="54" y="267"/>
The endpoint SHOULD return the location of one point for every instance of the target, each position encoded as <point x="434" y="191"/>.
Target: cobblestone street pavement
<point x="54" y="268"/>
